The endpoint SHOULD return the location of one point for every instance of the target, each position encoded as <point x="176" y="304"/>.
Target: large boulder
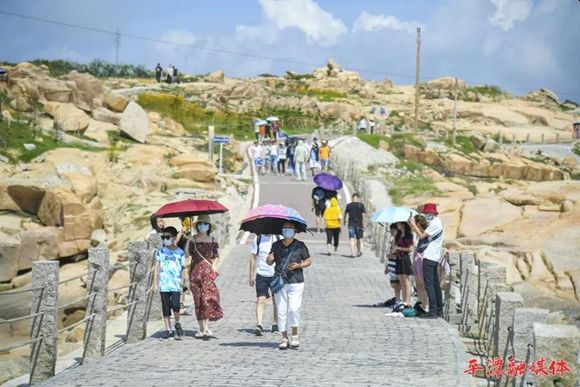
<point x="187" y="159"/>
<point x="27" y="196"/>
<point x="9" y="252"/>
<point x="99" y="131"/>
<point x="134" y="122"/>
<point x="490" y="145"/>
<point x="20" y="104"/>
<point x="56" y="204"/>
<point x="40" y="243"/>
<point x="116" y="102"/>
<point x="248" y="89"/>
<point x="89" y="88"/>
<point x="174" y="127"/>
<point x="196" y="172"/>
<point x="215" y="77"/>
<point x="105" y="115"/>
<point x="67" y="117"/>
<point x="482" y="215"/>
<point x="34" y="83"/>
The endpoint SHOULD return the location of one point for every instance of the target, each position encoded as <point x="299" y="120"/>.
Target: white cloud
<point x="509" y="11"/>
<point x="318" y="25"/>
<point x="265" y="33"/>
<point x="369" y="22"/>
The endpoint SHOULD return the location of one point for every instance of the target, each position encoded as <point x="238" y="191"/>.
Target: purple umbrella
<point x="328" y="181"/>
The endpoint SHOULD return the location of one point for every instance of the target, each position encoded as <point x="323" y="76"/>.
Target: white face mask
<point x="203" y="228"/>
<point x="167" y="242"/>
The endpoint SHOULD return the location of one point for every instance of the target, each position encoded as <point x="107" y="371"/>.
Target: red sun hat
<point x="430" y="208"/>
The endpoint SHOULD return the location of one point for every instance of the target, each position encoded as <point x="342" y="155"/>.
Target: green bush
<point x="397" y="142"/>
<point x="372" y="139"/>
<point x="463" y="144"/>
<point x="299" y="77"/>
<point x="491" y="91"/>
<point x="196" y="119"/>
<point x="98" y="68"/>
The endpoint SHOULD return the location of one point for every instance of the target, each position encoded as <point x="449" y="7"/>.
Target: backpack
<point x="318" y="194"/>
<point x="315" y="150"/>
<point x="260" y="240"/>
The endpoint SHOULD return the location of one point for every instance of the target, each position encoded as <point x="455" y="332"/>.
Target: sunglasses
<point x="165" y="236"/>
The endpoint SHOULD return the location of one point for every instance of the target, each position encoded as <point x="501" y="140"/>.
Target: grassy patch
<point x="372" y="139"/>
<point x="266" y="75"/>
<point x="196" y="119"/>
<point x="576" y="149"/>
<point x="411" y="186"/>
<point x="98" y="68"/>
<point x="491" y="91"/>
<point x="326" y="95"/>
<point x="462" y="144"/>
<point x="14" y="137"/>
<point x="397" y="142"/>
<point x="410" y="165"/>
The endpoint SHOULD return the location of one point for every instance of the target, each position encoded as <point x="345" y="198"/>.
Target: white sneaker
<point x="283" y="345"/>
<point x="294" y="344"/>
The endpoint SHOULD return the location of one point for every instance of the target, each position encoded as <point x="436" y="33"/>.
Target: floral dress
<point x="206" y="295"/>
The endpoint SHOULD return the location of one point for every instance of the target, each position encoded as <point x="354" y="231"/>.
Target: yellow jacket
<point x="333" y="214"/>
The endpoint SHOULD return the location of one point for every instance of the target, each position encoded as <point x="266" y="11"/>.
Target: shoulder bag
<point x="278" y="282"/>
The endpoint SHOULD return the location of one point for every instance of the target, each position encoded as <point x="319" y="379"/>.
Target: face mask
<point x="288" y="233"/>
<point x="167" y="242"/>
<point x="203" y="227"/>
<point x="429" y="217"/>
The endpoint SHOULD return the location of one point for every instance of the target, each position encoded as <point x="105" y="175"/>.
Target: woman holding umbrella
<point x="203" y="250"/>
<point x="291" y="257"/>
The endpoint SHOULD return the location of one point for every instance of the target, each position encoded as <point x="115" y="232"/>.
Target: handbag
<point x="278" y="282"/>
<point x="213" y="274"/>
<point x="444" y="272"/>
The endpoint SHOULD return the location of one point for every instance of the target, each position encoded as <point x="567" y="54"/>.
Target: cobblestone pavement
<point x="345" y="341"/>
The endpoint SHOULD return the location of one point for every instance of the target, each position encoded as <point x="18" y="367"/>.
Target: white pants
<point x="301" y="170"/>
<point x="288" y="302"/>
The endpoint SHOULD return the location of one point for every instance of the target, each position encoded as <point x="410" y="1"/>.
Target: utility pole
<point x="417" y="86"/>
<point x="454" y="110"/>
<point x="117" y="45"/>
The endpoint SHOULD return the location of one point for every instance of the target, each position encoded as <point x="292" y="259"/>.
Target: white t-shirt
<point x="256" y="152"/>
<point x="433" y="250"/>
<point x="263" y="268"/>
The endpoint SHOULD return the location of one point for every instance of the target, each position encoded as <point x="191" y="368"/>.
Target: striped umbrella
<point x="268" y="219"/>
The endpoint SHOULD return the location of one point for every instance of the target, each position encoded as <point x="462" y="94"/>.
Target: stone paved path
<point x="345" y="341"/>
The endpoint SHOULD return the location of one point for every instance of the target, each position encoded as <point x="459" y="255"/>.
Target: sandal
<point x="283" y="345"/>
<point x="294" y="344"/>
<point x="198" y="335"/>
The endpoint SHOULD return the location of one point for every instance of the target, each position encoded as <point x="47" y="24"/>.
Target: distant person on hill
<point x="174" y="73"/>
<point x="158" y="72"/>
<point x="170" y="74"/>
<point x="362" y="125"/>
<point x="372" y="125"/>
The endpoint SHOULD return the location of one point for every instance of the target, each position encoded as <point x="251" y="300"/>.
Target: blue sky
<point x="518" y="44"/>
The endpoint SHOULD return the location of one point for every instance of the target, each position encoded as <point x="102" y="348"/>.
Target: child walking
<point x="168" y="280"/>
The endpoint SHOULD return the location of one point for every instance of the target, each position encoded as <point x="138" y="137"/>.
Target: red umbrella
<point x="190" y="207"/>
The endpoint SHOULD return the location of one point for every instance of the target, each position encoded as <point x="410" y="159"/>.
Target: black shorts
<point x="170" y="301"/>
<point x="263" y="286"/>
<point x="319" y="209"/>
<point x="404" y="266"/>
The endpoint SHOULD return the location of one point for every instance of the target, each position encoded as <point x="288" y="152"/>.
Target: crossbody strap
<point x="198" y="253"/>
<point x="285" y="266"/>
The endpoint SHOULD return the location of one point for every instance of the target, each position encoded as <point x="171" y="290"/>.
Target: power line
<point x="118" y="35"/>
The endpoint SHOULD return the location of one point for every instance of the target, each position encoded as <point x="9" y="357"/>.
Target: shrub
<point x="98" y="68"/>
<point x="411" y="186"/>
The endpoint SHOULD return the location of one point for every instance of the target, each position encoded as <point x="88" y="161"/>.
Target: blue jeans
<point x="432" y="286"/>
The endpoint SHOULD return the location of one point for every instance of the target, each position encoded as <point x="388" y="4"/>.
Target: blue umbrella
<point x="260" y="123"/>
<point x="393" y="215"/>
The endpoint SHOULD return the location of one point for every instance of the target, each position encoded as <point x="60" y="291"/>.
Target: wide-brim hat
<point x="429" y="208"/>
<point x="204" y="219"/>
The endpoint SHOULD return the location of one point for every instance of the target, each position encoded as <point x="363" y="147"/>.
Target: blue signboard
<point x="221" y="140"/>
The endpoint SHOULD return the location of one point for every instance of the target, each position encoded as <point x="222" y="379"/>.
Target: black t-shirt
<point x="319" y="197"/>
<point x="355" y="211"/>
<point x="281" y="252"/>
